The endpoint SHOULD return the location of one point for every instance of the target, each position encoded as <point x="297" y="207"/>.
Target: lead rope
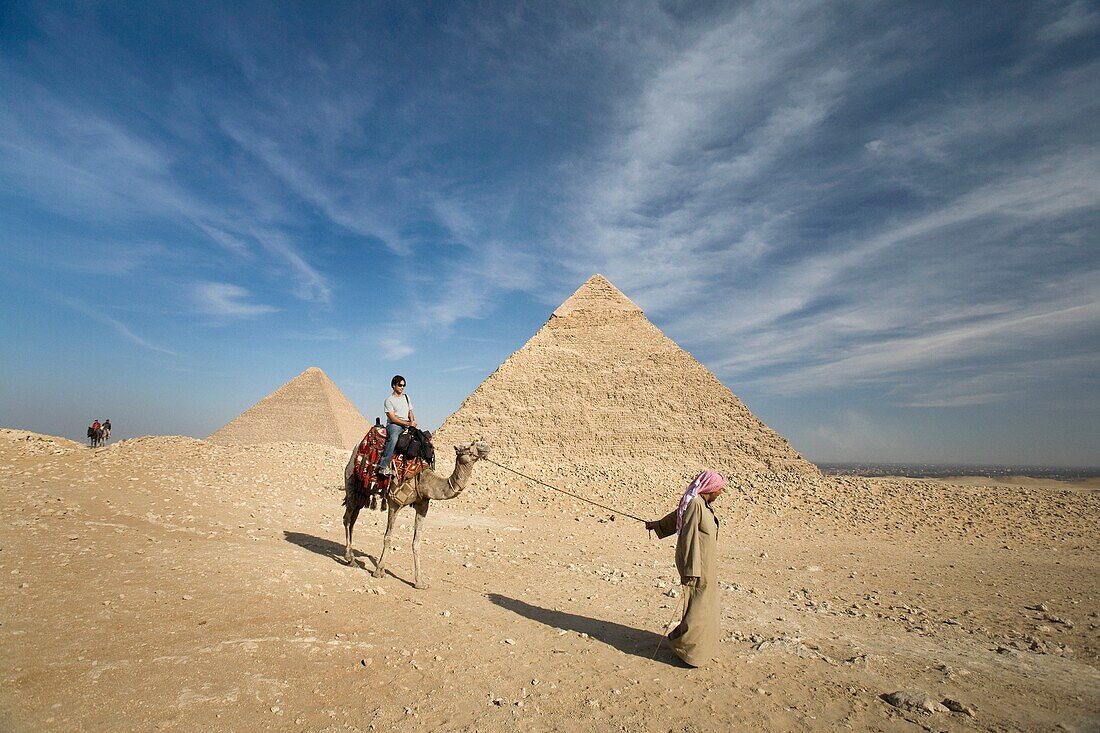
<point x="568" y="493"/>
<point x="683" y="602"/>
<point x="665" y="630"/>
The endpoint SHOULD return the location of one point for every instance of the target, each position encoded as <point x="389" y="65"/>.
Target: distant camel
<point x="418" y="492"/>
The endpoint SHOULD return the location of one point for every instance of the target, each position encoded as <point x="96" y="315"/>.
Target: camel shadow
<point x="322" y="546"/>
<point x="627" y="639"/>
<point x="335" y="551"/>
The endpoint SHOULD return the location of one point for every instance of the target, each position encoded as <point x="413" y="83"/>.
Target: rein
<point x="567" y="493"/>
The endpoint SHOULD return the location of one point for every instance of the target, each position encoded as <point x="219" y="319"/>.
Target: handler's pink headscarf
<point x="707" y="482"/>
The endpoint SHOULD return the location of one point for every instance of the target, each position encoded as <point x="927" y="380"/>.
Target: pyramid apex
<point x="597" y="293"/>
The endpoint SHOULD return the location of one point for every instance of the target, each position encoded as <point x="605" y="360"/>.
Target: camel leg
<point x="350" y="515"/>
<point x="391" y="517"/>
<point x="421" y="508"/>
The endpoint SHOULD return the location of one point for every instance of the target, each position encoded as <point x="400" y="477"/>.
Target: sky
<point x="878" y="223"/>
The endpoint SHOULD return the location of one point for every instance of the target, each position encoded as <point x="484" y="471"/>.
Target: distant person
<point x="399" y="415"/>
<point x="106" y="430"/>
<point x="695" y="639"/>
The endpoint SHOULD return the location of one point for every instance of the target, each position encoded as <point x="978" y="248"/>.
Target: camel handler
<point x="695" y="639"/>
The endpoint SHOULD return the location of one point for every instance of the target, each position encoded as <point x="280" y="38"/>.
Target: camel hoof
<point x="350" y="562"/>
<point x="378" y="572"/>
<point x="422" y="586"/>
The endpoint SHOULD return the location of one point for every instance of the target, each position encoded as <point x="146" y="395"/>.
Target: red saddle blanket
<point x="368" y="455"/>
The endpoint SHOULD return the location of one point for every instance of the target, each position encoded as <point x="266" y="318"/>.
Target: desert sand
<point x="167" y="583"/>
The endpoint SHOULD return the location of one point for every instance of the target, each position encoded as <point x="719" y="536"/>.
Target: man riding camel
<point x="399" y="415"/>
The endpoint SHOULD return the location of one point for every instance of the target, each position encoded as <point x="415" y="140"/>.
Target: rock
<point x="918" y="702"/>
<point x="957" y="707"/>
<point x="672" y="593"/>
<point x="1058" y="620"/>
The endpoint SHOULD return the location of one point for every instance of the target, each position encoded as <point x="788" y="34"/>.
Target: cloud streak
<point x="802" y="254"/>
<point x="225" y="300"/>
<point x="116" y="325"/>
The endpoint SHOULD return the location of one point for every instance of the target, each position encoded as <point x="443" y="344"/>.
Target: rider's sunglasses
<point x="400" y="384"/>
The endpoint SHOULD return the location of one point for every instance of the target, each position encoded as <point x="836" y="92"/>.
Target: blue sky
<point x="876" y="222"/>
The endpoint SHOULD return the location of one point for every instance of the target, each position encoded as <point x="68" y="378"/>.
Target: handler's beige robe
<point x="695" y="640"/>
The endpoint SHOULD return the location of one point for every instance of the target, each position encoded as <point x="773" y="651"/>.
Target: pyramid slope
<point x="309" y="408"/>
<point x="599" y="387"/>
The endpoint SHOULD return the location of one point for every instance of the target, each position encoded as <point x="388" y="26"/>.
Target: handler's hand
<point x="651" y="526"/>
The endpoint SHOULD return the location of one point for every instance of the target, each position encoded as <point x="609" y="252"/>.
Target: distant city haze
<point x="880" y="229"/>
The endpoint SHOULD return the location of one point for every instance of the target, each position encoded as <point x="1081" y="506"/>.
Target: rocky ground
<point x="166" y="583"/>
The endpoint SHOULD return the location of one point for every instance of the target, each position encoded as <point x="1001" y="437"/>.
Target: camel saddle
<point x="361" y="473"/>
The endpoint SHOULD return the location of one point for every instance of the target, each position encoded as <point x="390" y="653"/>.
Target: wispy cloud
<point x="225" y="300"/>
<point x="890" y="358"/>
<point x="394" y="348"/>
<point x="329" y="190"/>
<point x="321" y="334"/>
<point x="311" y="284"/>
<point x="755" y="200"/>
<point x="1075" y="20"/>
<point x="97" y="314"/>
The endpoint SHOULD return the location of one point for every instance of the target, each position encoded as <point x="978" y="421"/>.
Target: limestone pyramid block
<point x="600" y="386"/>
<point x="309" y="408"/>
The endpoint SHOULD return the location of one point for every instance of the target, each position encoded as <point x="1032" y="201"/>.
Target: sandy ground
<point x="169" y="584"/>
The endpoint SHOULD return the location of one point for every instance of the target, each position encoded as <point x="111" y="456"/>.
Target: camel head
<point x="470" y="452"/>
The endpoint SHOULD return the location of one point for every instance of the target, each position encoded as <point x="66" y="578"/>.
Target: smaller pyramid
<point x="308" y="409"/>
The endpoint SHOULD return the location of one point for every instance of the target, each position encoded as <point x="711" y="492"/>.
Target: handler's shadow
<point x="627" y="639"/>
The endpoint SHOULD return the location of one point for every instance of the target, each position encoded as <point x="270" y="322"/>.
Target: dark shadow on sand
<point x="322" y="546"/>
<point x="626" y="639"/>
<point x="335" y="551"/>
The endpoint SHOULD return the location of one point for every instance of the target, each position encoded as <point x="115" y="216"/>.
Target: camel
<point x="418" y="492"/>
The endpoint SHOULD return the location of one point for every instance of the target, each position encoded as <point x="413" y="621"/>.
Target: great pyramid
<point x="601" y="391"/>
<point x="309" y="409"/>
